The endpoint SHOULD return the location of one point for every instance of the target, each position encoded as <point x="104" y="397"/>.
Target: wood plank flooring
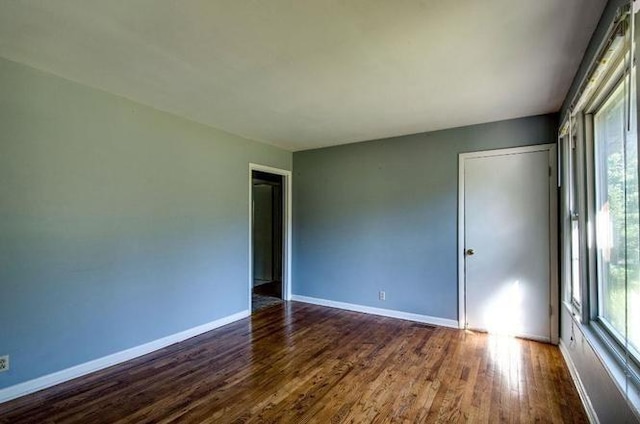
<point x="301" y="363"/>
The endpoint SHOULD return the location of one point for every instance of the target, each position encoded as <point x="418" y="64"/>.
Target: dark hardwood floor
<point x="273" y="288"/>
<point x="301" y="363"/>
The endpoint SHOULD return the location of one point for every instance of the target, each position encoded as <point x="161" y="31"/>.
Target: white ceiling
<point x="305" y="74"/>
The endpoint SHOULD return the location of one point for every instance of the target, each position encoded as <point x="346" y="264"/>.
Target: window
<point x="617" y="227"/>
<point x="576" y="294"/>
<point x="601" y="209"/>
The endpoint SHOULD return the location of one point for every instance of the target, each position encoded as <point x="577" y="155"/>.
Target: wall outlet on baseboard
<point x="4" y="363"/>
<point x="382" y="295"/>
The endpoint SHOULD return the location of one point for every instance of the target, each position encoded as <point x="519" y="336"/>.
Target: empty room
<point x="367" y="211"/>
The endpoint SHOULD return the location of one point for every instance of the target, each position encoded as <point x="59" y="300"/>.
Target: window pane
<point x="617" y="219"/>
<point x="633" y="232"/>
<point x="575" y="263"/>
<point x="575" y="228"/>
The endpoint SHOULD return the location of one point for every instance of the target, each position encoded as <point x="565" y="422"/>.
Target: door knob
<point x="470" y="252"/>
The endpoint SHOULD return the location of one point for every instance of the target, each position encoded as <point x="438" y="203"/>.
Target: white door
<point x="507" y="243"/>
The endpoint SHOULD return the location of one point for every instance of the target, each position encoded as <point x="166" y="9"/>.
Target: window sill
<point x="573" y="311"/>
<point x="617" y="373"/>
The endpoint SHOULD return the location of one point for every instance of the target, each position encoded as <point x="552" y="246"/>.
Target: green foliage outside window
<point x="618" y="235"/>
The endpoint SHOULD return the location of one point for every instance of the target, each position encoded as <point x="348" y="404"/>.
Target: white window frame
<point x="609" y="335"/>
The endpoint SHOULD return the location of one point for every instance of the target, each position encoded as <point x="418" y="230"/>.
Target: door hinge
<point x="550" y="171"/>
<point x="550" y="310"/>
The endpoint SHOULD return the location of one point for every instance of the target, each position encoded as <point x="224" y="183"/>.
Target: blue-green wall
<point x="119" y="224"/>
<point x="382" y="215"/>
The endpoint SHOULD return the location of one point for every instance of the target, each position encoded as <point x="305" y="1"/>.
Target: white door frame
<point x="553" y="231"/>
<point x="286" y="236"/>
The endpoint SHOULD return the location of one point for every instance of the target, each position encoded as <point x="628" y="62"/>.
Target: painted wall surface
<point x="608" y="402"/>
<point x="119" y="224"/>
<point x="382" y="215"/>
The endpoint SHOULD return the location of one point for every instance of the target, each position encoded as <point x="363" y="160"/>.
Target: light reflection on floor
<point x="505" y="352"/>
<point x="503" y="318"/>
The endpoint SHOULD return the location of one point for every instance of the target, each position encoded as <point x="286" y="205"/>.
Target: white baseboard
<point x="58" y="377"/>
<point x="586" y="402"/>
<point x="378" y="311"/>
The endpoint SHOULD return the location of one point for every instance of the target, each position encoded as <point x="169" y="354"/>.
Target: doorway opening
<point x="269" y="226"/>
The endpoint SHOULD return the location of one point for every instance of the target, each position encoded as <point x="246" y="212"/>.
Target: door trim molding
<point x="553" y="234"/>
<point x="287" y="227"/>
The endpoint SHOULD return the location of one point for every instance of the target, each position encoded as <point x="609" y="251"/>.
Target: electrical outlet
<point x="4" y="363"/>
<point x="382" y="295"/>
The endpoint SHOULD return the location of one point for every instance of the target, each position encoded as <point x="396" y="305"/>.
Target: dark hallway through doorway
<point x="267" y="238"/>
